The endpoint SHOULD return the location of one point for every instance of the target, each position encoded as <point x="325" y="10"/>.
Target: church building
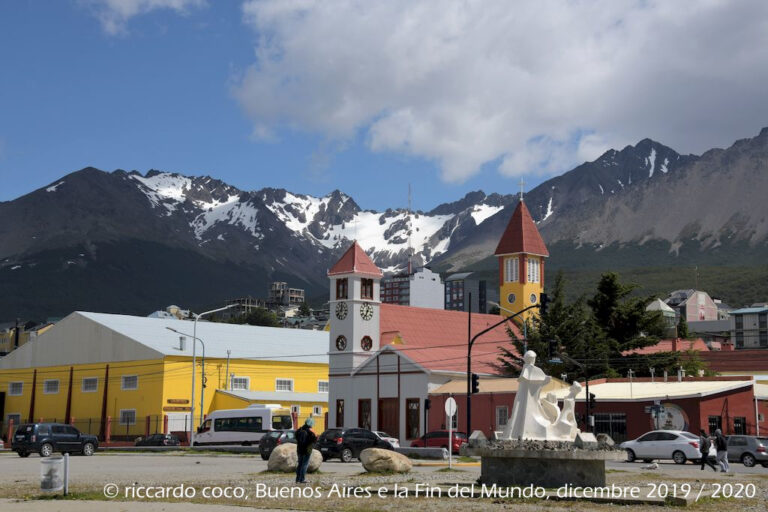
<point x="385" y="359"/>
<point x="521" y="253"/>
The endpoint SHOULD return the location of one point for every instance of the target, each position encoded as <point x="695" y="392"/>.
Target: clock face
<point x="533" y="298"/>
<point x="511" y="298"/>
<point x="341" y="310"/>
<point x="366" y="343"/>
<point x="366" y="311"/>
<point x="341" y="343"/>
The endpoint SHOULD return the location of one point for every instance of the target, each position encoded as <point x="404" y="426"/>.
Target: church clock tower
<point x="521" y="252"/>
<point x="354" y="333"/>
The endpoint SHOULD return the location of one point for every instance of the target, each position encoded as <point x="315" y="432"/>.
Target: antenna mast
<point x="410" y="230"/>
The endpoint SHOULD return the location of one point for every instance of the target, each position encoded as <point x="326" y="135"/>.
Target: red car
<point x="439" y="439"/>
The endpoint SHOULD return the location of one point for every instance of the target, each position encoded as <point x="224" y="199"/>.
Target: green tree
<point x="258" y="316"/>
<point x="304" y="309"/>
<point x="682" y="328"/>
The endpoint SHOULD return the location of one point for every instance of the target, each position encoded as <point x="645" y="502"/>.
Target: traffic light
<point x="591" y="401"/>
<point x="543" y="303"/>
<point x="427" y="403"/>
<point x="475" y="383"/>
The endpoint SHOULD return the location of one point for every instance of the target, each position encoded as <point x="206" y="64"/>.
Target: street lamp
<point x="194" y="363"/>
<point x="471" y="341"/>
<point x="202" y="383"/>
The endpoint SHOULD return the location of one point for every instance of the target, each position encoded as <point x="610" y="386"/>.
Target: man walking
<point x="721" y="445"/>
<point x="305" y="443"/>
<point x="704" y="445"/>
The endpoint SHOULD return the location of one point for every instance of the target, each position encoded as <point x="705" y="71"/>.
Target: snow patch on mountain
<point x="53" y="188"/>
<point x="164" y="189"/>
<point x="550" y="211"/>
<point x="651" y="161"/>
<point x="664" y="165"/>
<point x="297" y="211"/>
<point x="483" y="211"/>
<point x="233" y="212"/>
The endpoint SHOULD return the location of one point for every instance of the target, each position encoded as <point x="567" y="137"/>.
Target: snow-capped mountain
<point x="129" y="242"/>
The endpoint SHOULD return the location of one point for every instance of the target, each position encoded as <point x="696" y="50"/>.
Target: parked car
<point x="388" y="438"/>
<point x="749" y="450"/>
<point x="439" y="439"/>
<point x="273" y="439"/>
<point x="676" y="445"/>
<point x="46" y="438"/>
<point x="158" y="440"/>
<point x="348" y="443"/>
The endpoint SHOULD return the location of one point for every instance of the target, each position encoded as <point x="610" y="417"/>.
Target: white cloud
<point x="114" y="14"/>
<point x="540" y="85"/>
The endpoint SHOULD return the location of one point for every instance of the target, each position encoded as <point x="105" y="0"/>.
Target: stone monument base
<point x="519" y="467"/>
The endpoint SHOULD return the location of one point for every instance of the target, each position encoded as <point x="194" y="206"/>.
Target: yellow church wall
<point x="522" y="291"/>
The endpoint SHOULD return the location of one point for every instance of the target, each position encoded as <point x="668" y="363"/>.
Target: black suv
<point x="348" y="443"/>
<point x="273" y="439"/>
<point x="46" y="438"/>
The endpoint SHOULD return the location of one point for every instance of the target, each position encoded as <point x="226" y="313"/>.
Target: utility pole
<point x="226" y="384"/>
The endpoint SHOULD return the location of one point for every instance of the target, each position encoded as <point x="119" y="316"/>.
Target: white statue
<point x="565" y="427"/>
<point x="528" y="421"/>
<point x="536" y="418"/>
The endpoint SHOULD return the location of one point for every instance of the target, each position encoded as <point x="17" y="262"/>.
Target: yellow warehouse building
<point x="137" y="372"/>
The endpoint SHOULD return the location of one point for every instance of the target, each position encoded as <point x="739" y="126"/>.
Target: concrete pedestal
<point x="545" y="468"/>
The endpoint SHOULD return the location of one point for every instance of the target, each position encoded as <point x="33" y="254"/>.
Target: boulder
<point x="585" y="440"/>
<point x="285" y="459"/>
<point x="385" y="461"/>
<point x="605" y="441"/>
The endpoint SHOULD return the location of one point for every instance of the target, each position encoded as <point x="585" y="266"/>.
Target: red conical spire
<point x="521" y="235"/>
<point x="355" y="261"/>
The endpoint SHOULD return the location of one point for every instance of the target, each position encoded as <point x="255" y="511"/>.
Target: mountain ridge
<point x="627" y="198"/>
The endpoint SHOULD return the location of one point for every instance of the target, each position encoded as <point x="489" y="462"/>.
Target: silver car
<point x="749" y="450"/>
<point x="678" y="445"/>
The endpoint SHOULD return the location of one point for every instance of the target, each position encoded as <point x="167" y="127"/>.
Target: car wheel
<point x="325" y="457"/>
<point x="23" y="454"/>
<point x="88" y="449"/>
<point x="346" y="455"/>
<point x="679" y="457"/>
<point x="46" y="450"/>
<point x="631" y="456"/>
<point x="765" y="464"/>
<point x="264" y="456"/>
<point x="748" y="460"/>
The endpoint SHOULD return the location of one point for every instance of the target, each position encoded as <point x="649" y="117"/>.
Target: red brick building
<point x="728" y="403"/>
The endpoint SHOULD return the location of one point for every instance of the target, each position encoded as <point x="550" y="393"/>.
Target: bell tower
<point x="354" y="310"/>
<point x="521" y="252"/>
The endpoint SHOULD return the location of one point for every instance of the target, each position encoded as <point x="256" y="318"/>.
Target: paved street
<point x="90" y="475"/>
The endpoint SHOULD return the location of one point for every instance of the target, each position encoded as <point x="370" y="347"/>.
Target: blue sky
<point x="365" y="97"/>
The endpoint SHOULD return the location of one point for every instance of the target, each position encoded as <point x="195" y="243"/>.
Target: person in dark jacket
<point x="721" y="445"/>
<point x="704" y="445"/>
<point x="305" y="443"/>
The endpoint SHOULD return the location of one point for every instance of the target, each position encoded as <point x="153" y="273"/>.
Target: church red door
<point x="389" y="417"/>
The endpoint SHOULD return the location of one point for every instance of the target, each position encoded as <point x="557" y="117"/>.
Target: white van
<point x="243" y="426"/>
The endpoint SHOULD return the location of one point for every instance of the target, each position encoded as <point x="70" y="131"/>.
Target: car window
<point x="689" y="435"/>
<point x="58" y="429"/>
<point x="290" y="435"/>
<point x="737" y="441"/>
<point x="368" y="435"/>
<point x="71" y="431"/>
<point x="43" y="430"/>
<point x="650" y="436"/>
<point x="666" y="436"/>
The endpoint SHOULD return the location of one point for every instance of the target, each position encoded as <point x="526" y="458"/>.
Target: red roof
<point x="437" y="339"/>
<point x="355" y="261"/>
<point x="671" y="346"/>
<point x="521" y="235"/>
